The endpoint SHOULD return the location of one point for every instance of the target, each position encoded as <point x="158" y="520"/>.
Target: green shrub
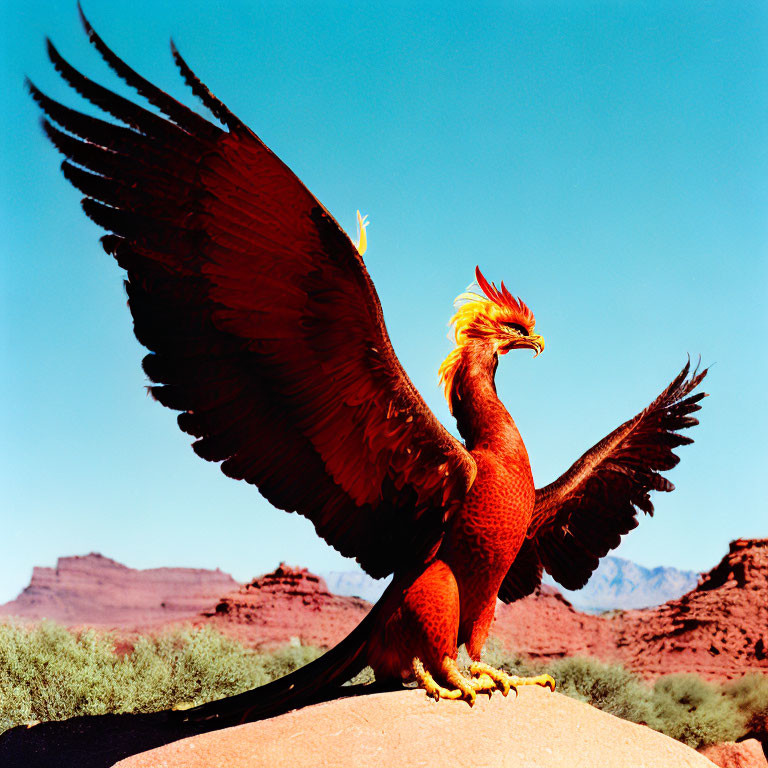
<point x="695" y="712"/>
<point x="684" y="707"/>
<point x="750" y="695"/>
<point x="50" y="673"/>
<point x="288" y="660"/>
<point x="606" y="686"/>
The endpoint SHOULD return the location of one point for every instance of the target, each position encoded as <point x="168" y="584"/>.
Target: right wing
<point x="582" y="516"/>
<point x="263" y="326"/>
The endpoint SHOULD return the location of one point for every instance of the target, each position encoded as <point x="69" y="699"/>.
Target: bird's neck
<point x="482" y="419"/>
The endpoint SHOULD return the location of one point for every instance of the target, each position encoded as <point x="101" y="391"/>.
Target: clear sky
<point x="608" y="160"/>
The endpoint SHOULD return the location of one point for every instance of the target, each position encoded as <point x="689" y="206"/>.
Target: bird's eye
<point x="516" y="327"/>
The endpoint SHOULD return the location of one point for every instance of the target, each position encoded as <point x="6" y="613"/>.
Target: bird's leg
<point x="505" y="682"/>
<point x="463" y="687"/>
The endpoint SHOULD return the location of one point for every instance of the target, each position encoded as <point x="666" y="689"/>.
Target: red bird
<point x="266" y="333"/>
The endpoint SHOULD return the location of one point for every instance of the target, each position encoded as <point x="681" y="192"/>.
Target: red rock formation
<point x="545" y="626"/>
<point x="290" y="604"/>
<point x="719" y="630"/>
<point x="745" y="754"/>
<point x="98" y="591"/>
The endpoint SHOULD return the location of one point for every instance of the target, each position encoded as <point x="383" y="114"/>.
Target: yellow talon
<point x="485" y="679"/>
<point x="483" y="684"/>
<point x="507" y="682"/>
<point x="545" y="681"/>
<point x="449" y="671"/>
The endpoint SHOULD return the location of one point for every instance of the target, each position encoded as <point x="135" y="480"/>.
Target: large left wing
<point x="582" y="515"/>
<point x="263" y="325"/>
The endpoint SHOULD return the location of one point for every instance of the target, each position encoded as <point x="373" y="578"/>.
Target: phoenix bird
<point x="265" y="332"/>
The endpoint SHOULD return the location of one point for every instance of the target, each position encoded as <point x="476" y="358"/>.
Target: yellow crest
<point x="478" y="317"/>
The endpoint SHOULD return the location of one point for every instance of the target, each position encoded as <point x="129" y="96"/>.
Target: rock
<point x="719" y="630"/>
<point x="287" y="605"/>
<point x="405" y="729"/>
<point x="744" y="754"/>
<point x="95" y="590"/>
<point x="545" y="627"/>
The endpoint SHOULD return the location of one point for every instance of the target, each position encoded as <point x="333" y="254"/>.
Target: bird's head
<point x="498" y="319"/>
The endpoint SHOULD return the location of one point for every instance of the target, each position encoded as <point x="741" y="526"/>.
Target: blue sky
<point x="609" y="161"/>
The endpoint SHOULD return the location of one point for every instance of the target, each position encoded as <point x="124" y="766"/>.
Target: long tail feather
<point x="304" y="686"/>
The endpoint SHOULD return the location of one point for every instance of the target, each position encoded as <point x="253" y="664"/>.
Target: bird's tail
<point x="304" y="686"/>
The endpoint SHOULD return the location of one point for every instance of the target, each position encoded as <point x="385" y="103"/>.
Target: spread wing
<point x="581" y="516"/>
<point x="263" y="326"/>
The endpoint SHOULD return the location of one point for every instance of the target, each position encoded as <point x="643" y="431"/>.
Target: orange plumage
<point x="483" y="535"/>
<point x="266" y="333"/>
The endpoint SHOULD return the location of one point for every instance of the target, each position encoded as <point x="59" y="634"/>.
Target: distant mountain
<point x="93" y="589"/>
<point x="621" y="584"/>
<point x="617" y="583"/>
<point x="355" y="584"/>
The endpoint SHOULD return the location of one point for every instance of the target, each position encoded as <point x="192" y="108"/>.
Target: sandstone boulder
<point x="405" y="729"/>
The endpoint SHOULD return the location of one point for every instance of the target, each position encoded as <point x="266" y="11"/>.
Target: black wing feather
<point x="582" y="516"/>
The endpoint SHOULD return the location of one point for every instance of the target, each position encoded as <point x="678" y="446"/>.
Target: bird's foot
<point x="461" y="687"/>
<point x="506" y="682"/>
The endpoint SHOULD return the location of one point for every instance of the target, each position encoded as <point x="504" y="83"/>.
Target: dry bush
<point x="608" y="687"/>
<point x="684" y="707"/>
<point x="50" y="673"/>
<point x="497" y="656"/>
<point x="695" y="712"/>
<point x="750" y="695"/>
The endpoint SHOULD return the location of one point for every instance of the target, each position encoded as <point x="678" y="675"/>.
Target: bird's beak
<point x="534" y="342"/>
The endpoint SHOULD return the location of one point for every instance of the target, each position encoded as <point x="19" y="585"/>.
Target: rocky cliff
<point x="545" y="626"/>
<point x="287" y="605"/>
<point x="93" y="589"/>
<point x="719" y="630"/>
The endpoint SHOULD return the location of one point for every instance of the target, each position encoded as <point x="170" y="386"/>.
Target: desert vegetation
<point x="684" y="707"/>
<point x="50" y="673"/>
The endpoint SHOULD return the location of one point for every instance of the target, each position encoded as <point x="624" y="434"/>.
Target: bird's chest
<point x="487" y="532"/>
